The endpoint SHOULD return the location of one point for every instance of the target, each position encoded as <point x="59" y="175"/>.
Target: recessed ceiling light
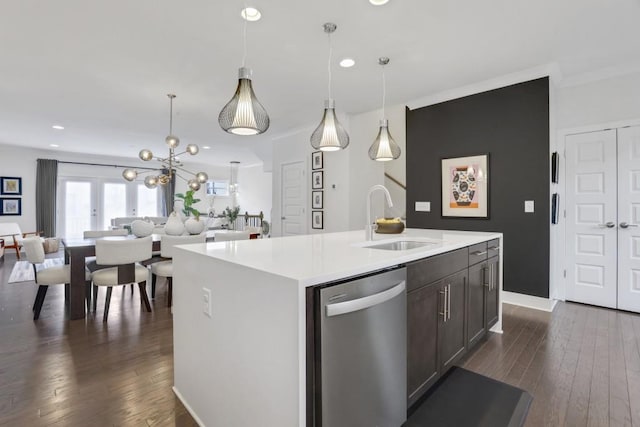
<point x="206" y="147"/>
<point x="250" y="14"/>
<point x="54" y="145"/>
<point x="58" y="127"/>
<point x="347" y="63"/>
<point x="378" y="2"/>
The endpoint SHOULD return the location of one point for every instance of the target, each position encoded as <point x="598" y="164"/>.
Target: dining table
<point x="76" y="251"/>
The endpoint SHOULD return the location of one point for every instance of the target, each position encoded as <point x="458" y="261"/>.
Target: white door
<point x="294" y="199"/>
<point x="78" y="207"/>
<point x="629" y="219"/>
<point x="591" y="246"/>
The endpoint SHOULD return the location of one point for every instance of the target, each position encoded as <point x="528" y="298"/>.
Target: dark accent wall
<point x="512" y="125"/>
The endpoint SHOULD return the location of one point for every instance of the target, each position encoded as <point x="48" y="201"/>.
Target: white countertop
<point x="313" y="259"/>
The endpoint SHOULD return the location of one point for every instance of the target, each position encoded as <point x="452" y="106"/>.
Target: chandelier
<point x="171" y="165"/>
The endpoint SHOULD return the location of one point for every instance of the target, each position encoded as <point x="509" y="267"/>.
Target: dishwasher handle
<point x="365" y="302"/>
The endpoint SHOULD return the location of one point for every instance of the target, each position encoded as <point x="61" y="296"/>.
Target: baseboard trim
<point x="186" y="405"/>
<point x="537" y="303"/>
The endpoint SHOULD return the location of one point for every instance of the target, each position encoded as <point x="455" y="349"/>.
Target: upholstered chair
<point x="44" y="277"/>
<point x="165" y="268"/>
<point x="124" y="257"/>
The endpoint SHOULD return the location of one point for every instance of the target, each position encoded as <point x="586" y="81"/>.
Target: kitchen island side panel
<point x="244" y="364"/>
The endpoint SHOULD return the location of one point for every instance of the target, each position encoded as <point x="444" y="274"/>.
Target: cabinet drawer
<point x="477" y="253"/>
<point x="428" y="270"/>
<point x="493" y="248"/>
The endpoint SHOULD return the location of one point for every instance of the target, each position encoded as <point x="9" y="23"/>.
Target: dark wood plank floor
<point x="581" y="363"/>
<point x="85" y="373"/>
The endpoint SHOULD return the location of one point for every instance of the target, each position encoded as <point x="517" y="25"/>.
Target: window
<point x="217" y="188"/>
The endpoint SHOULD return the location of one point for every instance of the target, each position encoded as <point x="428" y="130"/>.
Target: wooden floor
<point x="581" y="363"/>
<point x="55" y="372"/>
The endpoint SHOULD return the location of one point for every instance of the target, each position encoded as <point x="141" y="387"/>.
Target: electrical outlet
<point x="206" y="301"/>
<point x="529" y="206"/>
<point x="423" y="206"/>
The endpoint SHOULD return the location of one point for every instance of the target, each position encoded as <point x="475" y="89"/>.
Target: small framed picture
<point x="465" y="192"/>
<point x="10" y="206"/>
<point x="316" y="160"/>
<point x="11" y="185"/>
<point x="317" y="199"/>
<point x="317" y="220"/>
<point x="317" y="180"/>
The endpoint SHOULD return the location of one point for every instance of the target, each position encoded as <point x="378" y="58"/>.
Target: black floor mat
<point x="463" y="398"/>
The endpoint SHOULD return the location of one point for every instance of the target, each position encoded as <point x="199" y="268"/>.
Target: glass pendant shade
<point x="145" y="155"/>
<point x="172" y="141"/>
<point x="384" y="148"/>
<point x="129" y="174"/>
<point x="192" y="149"/>
<point x="151" y="182"/>
<point x="243" y="114"/>
<point x="202" y="177"/>
<point x="329" y="135"/>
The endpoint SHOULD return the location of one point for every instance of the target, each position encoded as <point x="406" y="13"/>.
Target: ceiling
<point x="103" y="69"/>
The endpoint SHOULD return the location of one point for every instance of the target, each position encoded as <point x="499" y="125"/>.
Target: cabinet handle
<point x="444" y="304"/>
<point x="478" y="253"/>
<point x="449" y="301"/>
<point x="494" y="248"/>
<point x="484" y="278"/>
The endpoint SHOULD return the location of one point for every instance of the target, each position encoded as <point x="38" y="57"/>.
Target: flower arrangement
<point x="231" y="214"/>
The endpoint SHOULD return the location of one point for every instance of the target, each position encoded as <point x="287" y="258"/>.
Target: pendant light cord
<point x="329" y="63"/>
<point x="170" y="115"/>
<point x="384" y="93"/>
<point x="244" y="36"/>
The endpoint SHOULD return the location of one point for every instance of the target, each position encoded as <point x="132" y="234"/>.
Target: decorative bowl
<point x="389" y="226"/>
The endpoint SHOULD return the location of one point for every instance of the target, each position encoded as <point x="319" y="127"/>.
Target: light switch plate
<point x="423" y="206"/>
<point x="529" y="206"/>
<point x="206" y="301"/>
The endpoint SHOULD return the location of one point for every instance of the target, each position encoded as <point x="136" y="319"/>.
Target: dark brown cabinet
<point x="477" y="321"/>
<point x="492" y="291"/>
<point x="423" y="308"/>
<point x="452" y="326"/>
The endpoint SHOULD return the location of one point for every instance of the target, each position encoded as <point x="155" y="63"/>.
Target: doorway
<point x="293" y="199"/>
<point x="603" y="218"/>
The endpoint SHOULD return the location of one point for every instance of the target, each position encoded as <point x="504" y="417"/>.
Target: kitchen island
<point x="240" y="316"/>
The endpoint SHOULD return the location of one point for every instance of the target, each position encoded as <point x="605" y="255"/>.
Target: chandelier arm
<point x="184" y="170"/>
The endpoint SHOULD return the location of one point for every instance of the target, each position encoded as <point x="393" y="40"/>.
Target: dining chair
<point x="165" y="268"/>
<point x="123" y="257"/>
<point x="45" y="277"/>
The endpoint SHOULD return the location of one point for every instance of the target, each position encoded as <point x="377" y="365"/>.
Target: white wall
<point x="602" y="101"/>
<point x="21" y="162"/>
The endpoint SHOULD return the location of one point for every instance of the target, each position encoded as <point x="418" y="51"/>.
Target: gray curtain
<point x="168" y="194"/>
<point x="46" y="196"/>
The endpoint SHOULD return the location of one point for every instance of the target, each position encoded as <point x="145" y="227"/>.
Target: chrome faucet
<point x="371" y="226"/>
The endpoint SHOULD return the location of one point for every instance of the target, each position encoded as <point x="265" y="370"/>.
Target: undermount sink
<point x="402" y="245"/>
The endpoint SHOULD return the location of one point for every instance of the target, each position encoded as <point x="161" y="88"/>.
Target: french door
<point x="91" y="203"/>
<point x="603" y="218"/>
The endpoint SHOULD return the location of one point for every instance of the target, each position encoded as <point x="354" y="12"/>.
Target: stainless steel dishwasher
<point x="363" y="348"/>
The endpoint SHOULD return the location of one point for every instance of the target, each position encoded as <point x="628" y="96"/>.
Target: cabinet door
<point x="477" y="320"/>
<point x="423" y="308"/>
<point x="493" y="291"/>
<point x="452" y="330"/>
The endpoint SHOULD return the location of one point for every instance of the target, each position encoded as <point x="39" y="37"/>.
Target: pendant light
<point x="243" y="114"/>
<point x="329" y="135"/>
<point x="384" y="148"/>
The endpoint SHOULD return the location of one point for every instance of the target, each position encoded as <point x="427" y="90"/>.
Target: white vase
<point x="174" y="225"/>
<point x="194" y="226"/>
<point x="141" y="228"/>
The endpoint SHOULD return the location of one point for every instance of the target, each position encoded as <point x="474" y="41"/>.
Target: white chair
<point x="124" y="256"/>
<point x="227" y="236"/>
<point x="44" y="277"/>
<point x="165" y="268"/>
<point x="13" y="237"/>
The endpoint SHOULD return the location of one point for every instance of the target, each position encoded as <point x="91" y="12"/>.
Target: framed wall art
<point x="465" y="187"/>
<point x="317" y="220"/>
<point x="316" y="160"/>
<point x="10" y="185"/>
<point x="317" y="180"/>
<point x="317" y="199"/>
<point x="10" y="206"/>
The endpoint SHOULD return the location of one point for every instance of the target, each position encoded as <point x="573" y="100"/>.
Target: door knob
<point x="283" y="217"/>
<point x="625" y="225"/>
<point x="608" y="225"/>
